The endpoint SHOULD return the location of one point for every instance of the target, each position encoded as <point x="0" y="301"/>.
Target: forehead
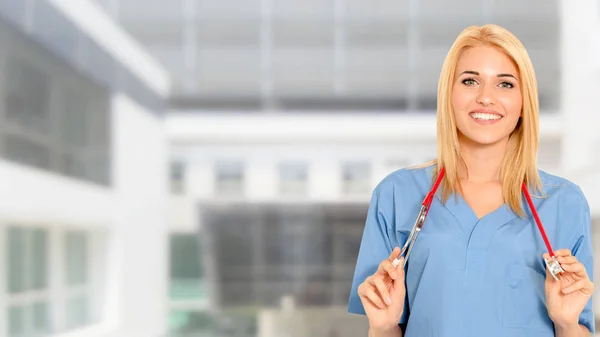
<point x="485" y="59"/>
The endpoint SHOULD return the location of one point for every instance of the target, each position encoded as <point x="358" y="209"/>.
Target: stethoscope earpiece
<point x="554" y="267"/>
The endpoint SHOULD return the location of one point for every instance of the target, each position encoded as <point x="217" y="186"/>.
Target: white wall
<point x="323" y="141"/>
<point x="310" y="127"/>
<point x="141" y="200"/>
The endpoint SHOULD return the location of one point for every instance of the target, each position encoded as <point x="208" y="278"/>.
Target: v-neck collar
<point x="459" y="207"/>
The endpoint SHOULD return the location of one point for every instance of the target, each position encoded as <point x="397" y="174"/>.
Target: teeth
<point x="485" y="116"/>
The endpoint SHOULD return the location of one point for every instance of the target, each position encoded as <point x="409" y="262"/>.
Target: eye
<point x="469" y="82"/>
<point x="506" y="85"/>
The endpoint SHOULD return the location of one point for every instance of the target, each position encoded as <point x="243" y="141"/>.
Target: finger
<point x="400" y="266"/>
<point x="387" y="268"/>
<point x="383" y="290"/>
<point x="373" y="296"/>
<point x="579" y="285"/>
<point x="546" y="257"/>
<point x="562" y="252"/>
<point x="577" y="268"/>
<point x="565" y="260"/>
<point x="394" y="254"/>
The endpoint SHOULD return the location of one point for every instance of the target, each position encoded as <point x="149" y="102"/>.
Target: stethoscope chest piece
<point x="554" y="267"/>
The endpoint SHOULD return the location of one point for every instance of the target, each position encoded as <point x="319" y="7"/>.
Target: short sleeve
<point x="376" y="245"/>
<point x="582" y="249"/>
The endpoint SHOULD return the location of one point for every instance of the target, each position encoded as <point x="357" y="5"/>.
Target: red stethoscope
<point x="553" y="264"/>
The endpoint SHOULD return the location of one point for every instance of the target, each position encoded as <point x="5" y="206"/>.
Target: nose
<point x="485" y="95"/>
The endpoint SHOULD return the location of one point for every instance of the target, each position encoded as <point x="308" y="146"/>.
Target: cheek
<point x="459" y="101"/>
<point x="512" y="106"/>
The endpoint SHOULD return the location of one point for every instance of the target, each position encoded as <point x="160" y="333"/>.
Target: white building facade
<point x="83" y="212"/>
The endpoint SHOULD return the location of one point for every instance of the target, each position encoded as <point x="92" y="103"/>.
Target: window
<point x="76" y="279"/>
<point x="192" y="323"/>
<point x="293" y="178"/>
<point x="28" y="96"/>
<point x="356" y="177"/>
<point x="186" y="268"/>
<point x="229" y="178"/>
<point x="48" y="112"/>
<point x="47" y="272"/>
<point x="177" y="177"/>
<point x="28" y="295"/>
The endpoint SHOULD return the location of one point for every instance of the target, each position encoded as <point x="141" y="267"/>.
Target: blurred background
<point x="204" y="167"/>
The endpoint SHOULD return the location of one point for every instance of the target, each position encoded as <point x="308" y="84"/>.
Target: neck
<point x="482" y="161"/>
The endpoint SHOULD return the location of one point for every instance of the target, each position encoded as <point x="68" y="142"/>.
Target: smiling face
<point x="486" y="96"/>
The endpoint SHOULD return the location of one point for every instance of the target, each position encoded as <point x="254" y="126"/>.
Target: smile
<point x="485" y="116"/>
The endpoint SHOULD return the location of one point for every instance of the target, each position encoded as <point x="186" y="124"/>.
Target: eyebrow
<point x="499" y="75"/>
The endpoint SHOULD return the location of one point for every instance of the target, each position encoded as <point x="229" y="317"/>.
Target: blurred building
<point x="284" y="115"/>
<point x="271" y="120"/>
<point x="325" y="55"/>
<point x="83" y="167"/>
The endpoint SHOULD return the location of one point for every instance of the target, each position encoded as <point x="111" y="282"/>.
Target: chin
<point x="484" y="140"/>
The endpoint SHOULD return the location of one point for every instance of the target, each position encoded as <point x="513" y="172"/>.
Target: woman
<point x="478" y="266"/>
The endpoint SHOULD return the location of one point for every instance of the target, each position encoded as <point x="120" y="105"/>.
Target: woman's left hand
<point x="566" y="298"/>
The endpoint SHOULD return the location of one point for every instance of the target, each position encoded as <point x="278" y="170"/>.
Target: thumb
<point x="399" y="281"/>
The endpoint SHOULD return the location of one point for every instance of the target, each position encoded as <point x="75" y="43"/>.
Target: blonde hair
<point x="520" y="160"/>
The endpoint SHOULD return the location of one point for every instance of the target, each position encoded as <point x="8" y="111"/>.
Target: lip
<point x="487" y="111"/>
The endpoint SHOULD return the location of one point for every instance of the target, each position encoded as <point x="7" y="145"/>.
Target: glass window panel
<point x="294" y="178"/>
<point x="185" y="256"/>
<point x="356" y="177"/>
<point x="177" y="176"/>
<point x="27" y="152"/>
<point x="230" y="177"/>
<point x="16" y="321"/>
<point x="74" y="124"/>
<point x="40" y="317"/>
<point x="237" y="294"/>
<point x="72" y="164"/>
<point x="234" y="230"/>
<point x="39" y="265"/>
<point x="28" y="95"/>
<point x="76" y="258"/>
<point x="16" y="259"/>
<point x="77" y="312"/>
<point x="186" y="268"/>
<point x="191" y="323"/>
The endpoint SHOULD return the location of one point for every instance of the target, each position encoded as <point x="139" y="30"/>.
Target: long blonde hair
<point x="520" y="160"/>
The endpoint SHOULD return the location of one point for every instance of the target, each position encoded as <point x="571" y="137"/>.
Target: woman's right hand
<point x="382" y="294"/>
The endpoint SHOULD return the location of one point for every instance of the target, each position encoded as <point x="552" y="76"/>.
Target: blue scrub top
<point x="468" y="276"/>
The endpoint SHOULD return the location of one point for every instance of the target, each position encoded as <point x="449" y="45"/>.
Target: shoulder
<point x="563" y="191"/>
<point x="565" y="209"/>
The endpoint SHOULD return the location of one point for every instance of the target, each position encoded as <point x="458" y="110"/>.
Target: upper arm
<point x="375" y="246"/>
<point x="580" y="243"/>
<point x="582" y="249"/>
<point x="377" y="243"/>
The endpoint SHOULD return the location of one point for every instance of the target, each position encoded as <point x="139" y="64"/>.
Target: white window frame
<point x="57" y="292"/>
